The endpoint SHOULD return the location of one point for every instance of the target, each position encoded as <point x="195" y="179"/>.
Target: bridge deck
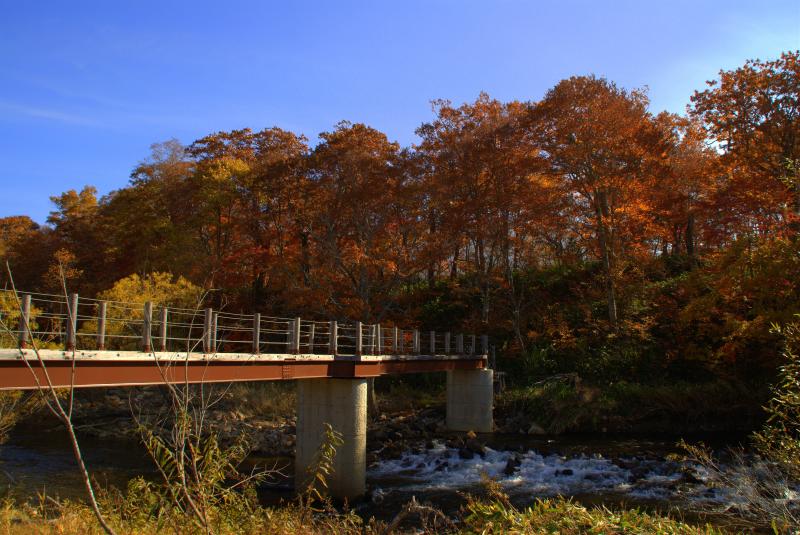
<point x="131" y="368"/>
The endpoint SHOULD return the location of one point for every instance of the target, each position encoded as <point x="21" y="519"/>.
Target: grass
<point x="566" y="517"/>
<point x="480" y="516"/>
<point x="69" y="517"/>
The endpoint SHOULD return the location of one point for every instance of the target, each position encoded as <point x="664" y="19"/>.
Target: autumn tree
<point x="26" y="247"/>
<point x="683" y="191"/>
<point x="80" y="243"/>
<point x="74" y="214"/>
<point x="752" y="114"/>
<point x="13" y="229"/>
<point x="488" y="202"/>
<point x="250" y="185"/>
<point x="360" y="211"/>
<point x="602" y="142"/>
<point x="149" y="222"/>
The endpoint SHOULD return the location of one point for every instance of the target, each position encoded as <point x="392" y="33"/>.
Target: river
<point x="608" y="470"/>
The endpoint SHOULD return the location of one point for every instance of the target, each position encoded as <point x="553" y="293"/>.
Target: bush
<point x="768" y="484"/>
<point x="124" y="319"/>
<point x="779" y="441"/>
<point x="498" y="515"/>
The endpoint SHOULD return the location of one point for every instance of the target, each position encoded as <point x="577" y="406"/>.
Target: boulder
<point x="474" y="446"/>
<point x="512" y="465"/>
<point x="536" y="429"/>
<point x="465" y="453"/>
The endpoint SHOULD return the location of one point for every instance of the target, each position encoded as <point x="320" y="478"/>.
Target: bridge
<point x="71" y="341"/>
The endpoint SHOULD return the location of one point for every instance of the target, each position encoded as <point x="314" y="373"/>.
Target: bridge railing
<point x="77" y="323"/>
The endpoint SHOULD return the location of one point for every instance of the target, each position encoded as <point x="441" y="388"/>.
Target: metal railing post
<point x="147" y="326"/>
<point x="447" y="343"/>
<point x="358" y="338"/>
<point x="25" y="321"/>
<point x="207" y="323"/>
<point x="256" y="334"/>
<point x="417" y="348"/>
<point x="101" y="326"/>
<point x="295" y="349"/>
<point x="395" y="341"/>
<point x="72" y="322"/>
<point x="433" y="342"/>
<point x="332" y="336"/>
<point x="311" y="338"/>
<point x="163" y="328"/>
<point x="459" y="344"/>
<point x="214" y="326"/>
<point x="371" y="340"/>
<point x="378" y="341"/>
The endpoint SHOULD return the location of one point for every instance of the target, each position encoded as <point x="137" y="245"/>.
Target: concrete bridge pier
<point x="470" y="397"/>
<point x="342" y="403"/>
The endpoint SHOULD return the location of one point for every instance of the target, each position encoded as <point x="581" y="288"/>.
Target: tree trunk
<point x="518" y="327"/>
<point x="605" y="238"/>
<point x="305" y="258"/>
<point x="432" y="264"/>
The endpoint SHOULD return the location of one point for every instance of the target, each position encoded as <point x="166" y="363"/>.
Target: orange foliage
<point x="587" y="178"/>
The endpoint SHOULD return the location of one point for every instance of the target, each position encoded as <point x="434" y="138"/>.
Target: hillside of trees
<point x="583" y="231"/>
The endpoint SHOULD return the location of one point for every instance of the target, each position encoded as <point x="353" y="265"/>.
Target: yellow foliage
<point x="124" y="296"/>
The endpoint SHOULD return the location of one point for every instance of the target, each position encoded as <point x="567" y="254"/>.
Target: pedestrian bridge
<point x="68" y="341"/>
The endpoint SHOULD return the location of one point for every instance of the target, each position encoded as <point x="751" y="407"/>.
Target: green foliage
<point x="409" y="392"/>
<point x="563" y="404"/>
<point x="682" y="322"/>
<point x="539" y="362"/>
<point x="555" y="404"/>
<point x="321" y="467"/>
<point x="779" y="441"/>
<point x="199" y="479"/>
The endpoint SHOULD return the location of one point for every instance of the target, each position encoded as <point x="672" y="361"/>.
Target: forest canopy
<point x="583" y="230"/>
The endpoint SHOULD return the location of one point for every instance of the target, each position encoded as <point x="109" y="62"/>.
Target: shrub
<point x="779" y="441"/>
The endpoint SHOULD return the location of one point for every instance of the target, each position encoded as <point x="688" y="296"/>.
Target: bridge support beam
<point x="342" y="403"/>
<point x="470" y="397"/>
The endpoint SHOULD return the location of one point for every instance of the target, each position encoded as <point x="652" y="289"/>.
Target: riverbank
<point x="411" y="453"/>
<point x="265" y="412"/>
<point x="564" y="404"/>
<point x="494" y="515"/>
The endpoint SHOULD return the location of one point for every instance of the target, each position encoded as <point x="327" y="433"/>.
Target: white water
<point x="441" y="468"/>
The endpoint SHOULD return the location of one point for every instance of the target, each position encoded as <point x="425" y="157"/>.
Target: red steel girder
<point x="15" y="374"/>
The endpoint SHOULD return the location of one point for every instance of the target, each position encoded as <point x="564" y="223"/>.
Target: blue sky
<point x="87" y="87"/>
